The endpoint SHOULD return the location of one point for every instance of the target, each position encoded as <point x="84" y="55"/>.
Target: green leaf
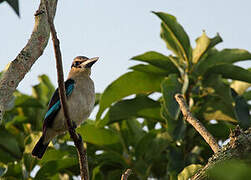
<point x="247" y="95"/>
<point x="127" y="84"/>
<point x="26" y="101"/>
<point x="97" y="98"/>
<point x="54" y="167"/>
<point x="151" y="143"/>
<point x="230" y="170"/>
<point x="9" y="147"/>
<point x="242" y="111"/>
<point x="99" y="136"/>
<point x="203" y="43"/>
<point x="150" y="69"/>
<point x="14" y="171"/>
<point x="14" y="4"/>
<point x="175" y="36"/>
<point x="215" y="108"/>
<point x="141" y="106"/>
<point x="53" y="154"/>
<point x="189" y="171"/>
<point x="226" y="56"/>
<point x="169" y="87"/>
<point x="215" y="85"/>
<point x="29" y="162"/>
<point x="44" y="90"/>
<point x="230" y="71"/>
<point x="220" y="130"/>
<point x="157" y="59"/>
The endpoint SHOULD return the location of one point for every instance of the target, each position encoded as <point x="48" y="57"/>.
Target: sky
<point x="117" y="30"/>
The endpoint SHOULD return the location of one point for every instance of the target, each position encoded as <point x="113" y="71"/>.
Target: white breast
<point x="80" y="104"/>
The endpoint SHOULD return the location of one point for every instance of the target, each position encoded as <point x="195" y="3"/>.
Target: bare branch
<point x="20" y="66"/>
<point x="126" y="174"/>
<point x="76" y="137"/>
<point x="197" y="124"/>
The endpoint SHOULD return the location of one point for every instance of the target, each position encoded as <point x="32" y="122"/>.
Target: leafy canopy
<point x="139" y="124"/>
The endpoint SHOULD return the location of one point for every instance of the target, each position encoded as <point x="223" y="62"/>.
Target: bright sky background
<point x="118" y="30"/>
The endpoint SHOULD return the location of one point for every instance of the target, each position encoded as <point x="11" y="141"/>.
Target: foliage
<point x="139" y="124"/>
<point x="13" y="4"/>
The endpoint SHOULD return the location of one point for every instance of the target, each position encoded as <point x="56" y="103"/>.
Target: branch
<point x="239" y="148"/>
<point x="126" y="174"/>
<point x="197" y="124"/>
<point x="76" y="138"/>
<point x="20" y="66"/>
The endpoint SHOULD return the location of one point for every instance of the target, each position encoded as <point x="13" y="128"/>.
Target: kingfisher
<point x="80" y="95"/>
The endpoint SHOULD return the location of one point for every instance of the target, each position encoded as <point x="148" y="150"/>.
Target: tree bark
<point x="239" y="148"/>
<point x="20" y="66"/>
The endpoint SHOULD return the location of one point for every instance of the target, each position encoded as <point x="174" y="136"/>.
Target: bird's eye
<point x="76" y="63"/>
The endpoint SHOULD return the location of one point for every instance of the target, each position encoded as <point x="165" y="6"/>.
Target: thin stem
<point x="126" y="174"/>
<point x="76" y="137"/>
<point x="196" y="123"/>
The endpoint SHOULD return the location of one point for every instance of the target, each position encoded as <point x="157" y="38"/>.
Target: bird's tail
<point x="39" y="149"/>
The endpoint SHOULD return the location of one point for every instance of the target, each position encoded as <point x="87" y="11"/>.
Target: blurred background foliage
<point x="138" y="124"/>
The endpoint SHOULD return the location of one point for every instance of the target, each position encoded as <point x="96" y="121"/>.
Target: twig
<point x="197" y="124"/>
<point x="76" y="137"/>
<point x="126" y="174"/>
<point x="20" y="66"/>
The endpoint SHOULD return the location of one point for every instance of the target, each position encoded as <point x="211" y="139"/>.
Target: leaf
<point x="26" y="101"/>
<point x="44" y="90"/>
<point x="9" y="148"/>
<point x="247" y="95"/>
<point x="149" y="69"/>
<point x="53" y="167"/>
<point x="230" y="170"/>
<point x="239" y="86"/>
<point x="189" y="171"/>
<point x="214" y="85"/>
<point x="215" y="108"/>
<point x="230" y="71"/>
<point x="220" y="130"/>
<point x="226" y="56"/>
<point x="97" y="98"/>
<point x="141" y="106"/>
<point x="99" y="136"/>
<point x="157" y="59"/>
<point x="151" y="143"/>
<point x="29" y="162"/>
<point x="127" y="84"/>
<point x="169" y="87"/>
<point x="14" y="171"/>
<point x="242" y="111"/>
<point x="14" y="4"/>
<point x="175" y="36"/>
<point x="203" y="43"/>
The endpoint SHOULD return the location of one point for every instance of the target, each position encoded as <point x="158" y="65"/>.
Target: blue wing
<point x="54" y="104"/>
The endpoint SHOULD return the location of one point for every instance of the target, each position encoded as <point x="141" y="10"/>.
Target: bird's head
<point x="81" y="65"/>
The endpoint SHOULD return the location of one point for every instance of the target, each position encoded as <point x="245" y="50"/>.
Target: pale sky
<point x="116" y="30"/>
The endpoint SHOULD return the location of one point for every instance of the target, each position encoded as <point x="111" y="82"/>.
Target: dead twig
<point x="76" y="137"/>
<point x="196" y="123"/>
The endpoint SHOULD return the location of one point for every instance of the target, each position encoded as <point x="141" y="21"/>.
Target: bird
<point x="80" y="95"/>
